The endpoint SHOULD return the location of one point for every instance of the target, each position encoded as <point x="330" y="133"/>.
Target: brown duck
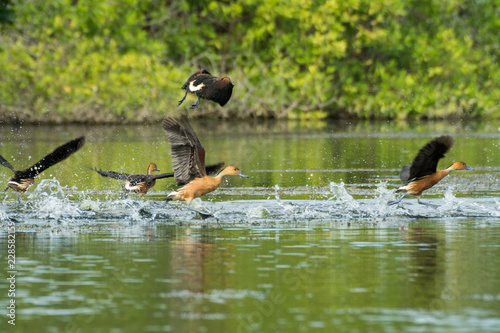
<point x="205" y="85"/>
<point x="422" y="174"/>
<point x="23" y="179"/>
<point x="188" y="161"/>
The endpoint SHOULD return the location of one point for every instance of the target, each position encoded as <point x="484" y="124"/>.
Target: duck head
<point x="227" y="81"/>
<point x="152" y="167"/>
<point x="459" y="165"/>
<point x="232" y="171"/>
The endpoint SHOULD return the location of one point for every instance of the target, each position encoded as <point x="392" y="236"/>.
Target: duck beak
<point x="469" y="168"/>
<point x="241" y="174"/>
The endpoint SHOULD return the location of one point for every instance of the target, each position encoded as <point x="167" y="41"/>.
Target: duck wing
<point x="216" y="89"/>
<point x="188" y="154"/>
<point x="405" y="173"/>
<point x="195" y="79"/>
<point x="163" y="175"/>
<point x="214" y="168"/>
<point x="112" y="174"/>
<point x="211" y="170"/>
<point x="426" y="161"/>
<point x="49" y="160"/>
<point x="5" y="163"/>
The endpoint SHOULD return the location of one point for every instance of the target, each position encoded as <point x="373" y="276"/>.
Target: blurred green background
<point x="115" y="61"/>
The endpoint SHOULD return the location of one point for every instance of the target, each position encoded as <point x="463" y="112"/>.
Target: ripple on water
<point x="219" y="296"/>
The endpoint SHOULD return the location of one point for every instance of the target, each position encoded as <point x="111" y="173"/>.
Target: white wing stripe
<point x="195" y="88"/>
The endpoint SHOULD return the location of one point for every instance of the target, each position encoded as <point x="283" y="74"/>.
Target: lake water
<point x="306" y="244"/>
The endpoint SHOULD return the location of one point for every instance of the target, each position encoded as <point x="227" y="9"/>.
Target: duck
<point x="205" y="85"/>
<point x="23" y="179"/>
<point x="188" y="162"/>
<point x="136" y="183"/>
<point x="422" y="174"/>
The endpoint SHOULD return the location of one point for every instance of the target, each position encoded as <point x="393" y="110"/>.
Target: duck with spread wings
<point x="136" y="183"/>
<point x="422" y="174"/>
<point x="188" y="162"/>
<point x="23" y="179"/>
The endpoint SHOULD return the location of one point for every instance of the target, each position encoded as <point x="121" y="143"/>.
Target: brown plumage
<point x="205" y="85"/>
<point x="136" y="183"/>
<point x="422" y="174"/>
<point x="23" y="179"/>
<point x="188" y="161"/>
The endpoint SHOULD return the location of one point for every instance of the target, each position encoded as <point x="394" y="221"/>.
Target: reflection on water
<point x="232" y="279"/>
<point x="306" y="244"/>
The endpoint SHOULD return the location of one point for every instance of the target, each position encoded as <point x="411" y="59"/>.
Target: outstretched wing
<point x="5" y="163"/>
<point x="49" y="160"/>
<point x="188" y="154"/>
<point x="426" y="161"/>
<point x="163" y="175"/>
<point x="112" y="174"/>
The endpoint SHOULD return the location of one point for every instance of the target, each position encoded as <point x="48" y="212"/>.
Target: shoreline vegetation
<point x="70" y="61"/>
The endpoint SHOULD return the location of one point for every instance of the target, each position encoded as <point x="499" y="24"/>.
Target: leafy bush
<point x="101" y="61"/>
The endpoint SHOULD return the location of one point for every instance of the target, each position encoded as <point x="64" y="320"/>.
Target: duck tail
<point x="172" y="196"/>
<point x="403" y="189"/>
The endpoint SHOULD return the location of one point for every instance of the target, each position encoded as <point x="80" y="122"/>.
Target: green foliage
<point x="100" y="61"/>
<point x="6" y="13"/>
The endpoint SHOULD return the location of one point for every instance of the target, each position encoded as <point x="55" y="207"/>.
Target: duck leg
<point x="196" y="104"/>
<point x="390" y="203"/>
<point x="183" y="98"/>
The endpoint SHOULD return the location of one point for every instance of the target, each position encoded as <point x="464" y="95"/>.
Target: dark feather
<point x="201" y="72"/>
<point x="133" y="178"/>
<point x="426" y="161"/>
<point x="218" y="90"/>
<point x="211" y="87"/>
<point x="148" y="179"/>
<point x="49" y="160"/>
<point x="405" y="173"/>
<point x="5" y="163"/>
<point x="214" y="168"/>
<point x="163" y="175"/>
<point x="188" y="154"/>
<point x="112" y="174"/>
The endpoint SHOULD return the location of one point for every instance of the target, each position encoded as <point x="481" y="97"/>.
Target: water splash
<point x="52" y="202"/>
<point x="451" y="202"/>
<point x="340" y="193"/>
<point x="259" y="212"/>
<point x="49" y="201"/>
<point x="277" y="193"/>
<point x="3" y="215"/>
<point x="48" y="188"/>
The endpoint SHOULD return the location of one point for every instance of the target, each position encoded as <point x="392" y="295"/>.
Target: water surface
<point x="306" y="244"/>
